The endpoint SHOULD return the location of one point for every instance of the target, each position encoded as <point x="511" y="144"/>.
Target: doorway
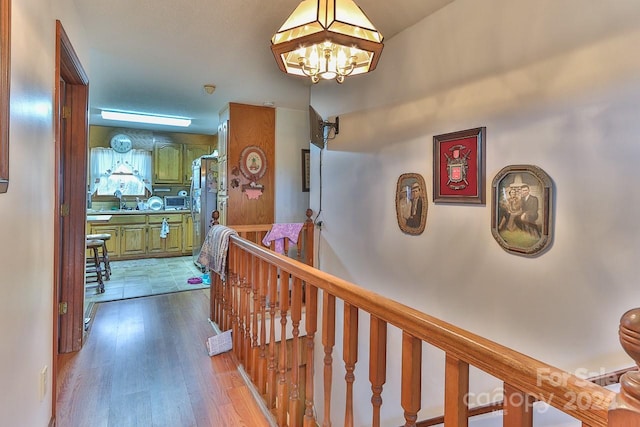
<point x="71" y="131"/>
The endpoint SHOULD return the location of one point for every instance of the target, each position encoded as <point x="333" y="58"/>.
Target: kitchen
<point x="139" y="191"/>
<point x="159" y="164"/>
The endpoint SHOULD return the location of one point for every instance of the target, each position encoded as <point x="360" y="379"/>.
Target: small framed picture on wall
<point x="521" y="209"/>
<point x="306" y="170"/>
<point x="411" y="203"/>
<point x="459" y="167"/>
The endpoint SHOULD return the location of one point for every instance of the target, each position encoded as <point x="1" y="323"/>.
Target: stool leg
<point x="105" y="261"/>
<point x="96" y="260"/>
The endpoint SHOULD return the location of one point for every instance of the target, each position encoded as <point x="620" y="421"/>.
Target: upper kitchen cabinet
<point x="172" y="152"/>
<point x="190" y="153"/>
<point x="167" y="163"/>
<point x="246" y="141"/>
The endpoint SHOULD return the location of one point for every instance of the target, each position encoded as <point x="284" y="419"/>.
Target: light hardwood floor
<point x="144" y="363"/>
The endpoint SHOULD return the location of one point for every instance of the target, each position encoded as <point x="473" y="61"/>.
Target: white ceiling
<point x="154" y="56"/>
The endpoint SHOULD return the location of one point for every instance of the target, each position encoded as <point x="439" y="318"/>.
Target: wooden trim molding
<point x="5" y="79"/>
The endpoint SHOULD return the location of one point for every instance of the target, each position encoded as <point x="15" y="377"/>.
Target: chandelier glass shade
<point x="327" y="39"/>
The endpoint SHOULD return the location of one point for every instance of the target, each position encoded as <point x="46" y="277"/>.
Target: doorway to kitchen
<point x="71" y="131"/>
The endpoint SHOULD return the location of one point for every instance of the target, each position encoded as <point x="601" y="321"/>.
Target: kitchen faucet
<point x="118" y="194"/>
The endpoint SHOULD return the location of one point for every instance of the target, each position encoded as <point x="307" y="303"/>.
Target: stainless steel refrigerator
<point x="204" y="192"/>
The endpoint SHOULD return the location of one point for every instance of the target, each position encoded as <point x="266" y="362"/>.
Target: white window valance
<point x="132" y="170"/>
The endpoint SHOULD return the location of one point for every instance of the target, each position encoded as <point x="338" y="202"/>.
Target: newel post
<point x="308" y="239"/>
<point x="625" y="408"/>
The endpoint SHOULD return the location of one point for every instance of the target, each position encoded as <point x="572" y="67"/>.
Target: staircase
<point x="269" y="298"/>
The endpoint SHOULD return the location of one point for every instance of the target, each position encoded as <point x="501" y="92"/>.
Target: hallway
<point x="144" y="363"/>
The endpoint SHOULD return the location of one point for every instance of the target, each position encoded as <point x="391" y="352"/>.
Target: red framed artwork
<point x="459" y="167"/>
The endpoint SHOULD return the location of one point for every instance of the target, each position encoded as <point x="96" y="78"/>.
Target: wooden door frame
<point x="71" y="145"/>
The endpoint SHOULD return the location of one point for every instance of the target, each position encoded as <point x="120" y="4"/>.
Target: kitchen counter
<point x="98" y="218"/>
<point x="93" y="212"/>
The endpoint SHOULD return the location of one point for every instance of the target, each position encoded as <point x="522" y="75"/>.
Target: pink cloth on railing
<point x="279" y="232"/>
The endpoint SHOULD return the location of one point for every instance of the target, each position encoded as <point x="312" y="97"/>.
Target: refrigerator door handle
<point x="191" y="201"/>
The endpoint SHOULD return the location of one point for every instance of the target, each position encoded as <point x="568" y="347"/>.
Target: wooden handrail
<point x="525" y="378"/>
<point x="604" y="380"/>
<point x="256" y="232"/>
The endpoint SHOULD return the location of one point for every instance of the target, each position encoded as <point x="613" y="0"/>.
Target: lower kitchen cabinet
<point x="139" y="235"/>
<point x="125" y="239"/>
<point x="187" y="234"/>
<point x="133" y="240"/>
<point x="113" y="244"/>
<point x="172" y="242"/>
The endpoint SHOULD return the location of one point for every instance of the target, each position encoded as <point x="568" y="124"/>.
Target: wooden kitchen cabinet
<point x="190" y="153"/>
<point x="187" y="234"/>
<point x="113" y="244"/>
<point x="133" y="239"/>
<point x="167" y="163"/>
<point x="138" y="235"/>
<point x="172" y="243"/>
<point x="125" y="240"/>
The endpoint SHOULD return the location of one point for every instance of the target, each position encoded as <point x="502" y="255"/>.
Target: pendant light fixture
<point x="327" y="39"/>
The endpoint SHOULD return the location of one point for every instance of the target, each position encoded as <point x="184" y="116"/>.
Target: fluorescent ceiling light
<point x="145" y="118"/>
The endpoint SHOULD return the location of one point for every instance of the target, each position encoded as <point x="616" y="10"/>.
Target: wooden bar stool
<point x="93" y="269"/>
<point x="104" y="256"/>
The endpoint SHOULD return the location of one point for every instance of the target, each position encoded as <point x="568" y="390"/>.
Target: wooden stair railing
<point x="256" y="232"/>
<point x="221" y="299"/>
<point x="603" y="380"/>
<point x="625" y="409"/>
<point x="263" y="287"/>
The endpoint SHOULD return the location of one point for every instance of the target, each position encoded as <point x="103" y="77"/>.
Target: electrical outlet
<point x="44" y="380"/>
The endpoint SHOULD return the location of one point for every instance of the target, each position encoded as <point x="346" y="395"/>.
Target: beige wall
<point x="27" y="212"/>
<point x="557" y="86"/>
<point x="555" y="82"/>
<point x="292" y="135"/>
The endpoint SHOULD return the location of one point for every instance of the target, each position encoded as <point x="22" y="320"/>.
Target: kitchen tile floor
<point x="144" y="277"/>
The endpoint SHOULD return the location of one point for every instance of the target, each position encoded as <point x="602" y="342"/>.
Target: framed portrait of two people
<point x="521" y="209"/>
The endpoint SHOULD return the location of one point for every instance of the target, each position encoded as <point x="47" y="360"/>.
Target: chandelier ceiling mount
<point x="327" y="39"/>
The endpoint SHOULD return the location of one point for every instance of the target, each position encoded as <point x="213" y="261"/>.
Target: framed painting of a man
<point x="521" y="209"/>
<point x="411" y="203"/>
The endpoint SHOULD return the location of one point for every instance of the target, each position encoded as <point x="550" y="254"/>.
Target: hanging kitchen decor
<point x="253" y="166"/>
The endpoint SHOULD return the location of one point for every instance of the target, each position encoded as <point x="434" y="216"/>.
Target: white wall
<point x="27" y="215"/>
<point x="292" y="135"/>
<point x="557" y="85"/>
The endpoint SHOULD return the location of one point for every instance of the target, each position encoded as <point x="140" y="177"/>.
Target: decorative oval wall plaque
<point x="253" y="163"/>
<point x="411" y="203"/>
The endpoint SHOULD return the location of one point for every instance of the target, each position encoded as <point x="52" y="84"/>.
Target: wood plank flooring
<point x="145" y="363"/>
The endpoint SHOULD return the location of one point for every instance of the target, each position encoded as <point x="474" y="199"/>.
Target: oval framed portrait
<point x="411" y="203"/>
<point x="521" y="209"/>
<point x="253" y="163"/>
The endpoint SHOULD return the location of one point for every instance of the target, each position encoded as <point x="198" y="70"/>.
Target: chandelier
<point x="327" y="39"/>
